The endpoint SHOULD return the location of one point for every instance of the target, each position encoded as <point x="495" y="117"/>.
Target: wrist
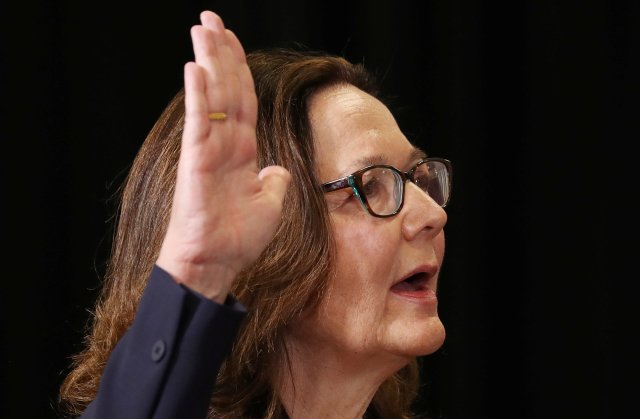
<point x="213" y="281"/>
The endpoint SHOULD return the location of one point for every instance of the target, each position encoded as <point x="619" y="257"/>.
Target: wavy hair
<point x="287" y="280"/>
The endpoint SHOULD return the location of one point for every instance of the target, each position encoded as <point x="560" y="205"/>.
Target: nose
<point x="421" y="213"/>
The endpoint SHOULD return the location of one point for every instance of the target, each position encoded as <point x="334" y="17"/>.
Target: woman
<point x="337" y="271"/>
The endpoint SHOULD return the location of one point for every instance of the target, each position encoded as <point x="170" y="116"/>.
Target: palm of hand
<point x="224" y="210"/>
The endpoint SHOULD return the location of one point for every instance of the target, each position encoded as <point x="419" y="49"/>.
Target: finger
<point x="204" y="45"/>
<point x="229" y="68"/>
<point x="225" y="61"/>
<point x="249" y="106"/>
<point x="275" y="181"/>
<point x="211" y="20"/>
<point x="196" y="124"/>
<point x="233" y="65"/>
<point x="207" y="56"/>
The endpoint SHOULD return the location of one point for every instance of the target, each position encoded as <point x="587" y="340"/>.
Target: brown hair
<point x="288" y="279"/>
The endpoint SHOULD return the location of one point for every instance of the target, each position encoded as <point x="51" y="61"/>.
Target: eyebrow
<point x="416" y="154"/>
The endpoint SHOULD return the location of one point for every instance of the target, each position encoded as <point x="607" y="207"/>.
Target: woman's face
<point x="370" y="311"/>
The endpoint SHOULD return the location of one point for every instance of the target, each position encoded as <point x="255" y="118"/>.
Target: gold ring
<point x="217" y="116"/>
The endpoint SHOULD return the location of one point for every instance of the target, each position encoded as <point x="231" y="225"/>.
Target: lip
<point x="422" y="288"/>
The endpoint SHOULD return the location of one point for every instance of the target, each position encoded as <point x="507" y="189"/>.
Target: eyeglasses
<point x="380" y="187"/>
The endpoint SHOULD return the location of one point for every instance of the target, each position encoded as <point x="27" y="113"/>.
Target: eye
<point x="372" y="187"/>
<point x="422" y="181"/>
<point x="422" y="177"/>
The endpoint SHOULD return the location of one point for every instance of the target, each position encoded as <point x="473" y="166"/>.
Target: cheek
<point x="365" y="253"/>
<point x="355" y="303"/>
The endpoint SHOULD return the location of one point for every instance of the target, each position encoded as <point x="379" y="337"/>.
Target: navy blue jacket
<point x="165" y="365"/>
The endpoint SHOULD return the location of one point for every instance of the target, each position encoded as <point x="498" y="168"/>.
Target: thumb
<point x="275" y="180"/>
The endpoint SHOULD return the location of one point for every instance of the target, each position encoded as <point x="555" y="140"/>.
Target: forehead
<point x="349" y="127"/>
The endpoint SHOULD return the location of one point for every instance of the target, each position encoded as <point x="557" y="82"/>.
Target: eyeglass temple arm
<point x="336" y="184"/>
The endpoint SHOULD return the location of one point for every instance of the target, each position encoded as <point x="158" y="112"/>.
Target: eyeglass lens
<point x="383" y="187"/>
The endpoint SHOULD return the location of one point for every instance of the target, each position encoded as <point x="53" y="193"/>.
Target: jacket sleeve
<point x="165" y="365"/>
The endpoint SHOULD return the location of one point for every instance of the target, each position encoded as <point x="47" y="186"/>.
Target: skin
<point x="365" y="330"/>
<point x="214" y="229"/>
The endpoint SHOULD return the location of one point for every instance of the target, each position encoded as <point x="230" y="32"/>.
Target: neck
<point x="323" y="384"/>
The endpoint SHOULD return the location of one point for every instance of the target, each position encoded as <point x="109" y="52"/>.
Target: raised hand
<point x="224" y="210"/>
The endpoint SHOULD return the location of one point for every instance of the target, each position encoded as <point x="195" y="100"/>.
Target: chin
<point x="428" y="341"/>
<point x="434" y="341"/>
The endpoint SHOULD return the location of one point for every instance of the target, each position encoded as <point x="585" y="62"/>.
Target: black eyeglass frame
<point x="354" y="181"/>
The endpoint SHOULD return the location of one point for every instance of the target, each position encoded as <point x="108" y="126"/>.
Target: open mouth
<point x="412" y="284"/>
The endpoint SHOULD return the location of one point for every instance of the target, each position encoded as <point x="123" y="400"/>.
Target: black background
<point x="534" y="102"/>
